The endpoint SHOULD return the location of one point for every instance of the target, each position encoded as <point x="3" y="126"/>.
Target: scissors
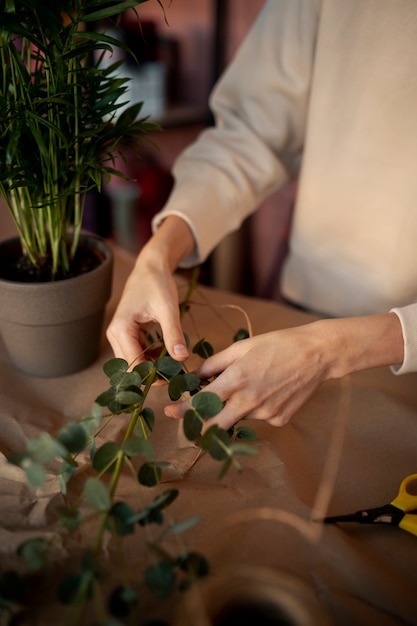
<point x="401" y="512"/>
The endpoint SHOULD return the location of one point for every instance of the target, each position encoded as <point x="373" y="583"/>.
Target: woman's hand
<point x="151" y="296"/>
<point x="270" y="376"/>
<point x="267" y="377"/>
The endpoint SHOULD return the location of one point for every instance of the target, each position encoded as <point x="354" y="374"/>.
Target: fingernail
<point x="180" y="351"/>
<point x="167" y="413"/>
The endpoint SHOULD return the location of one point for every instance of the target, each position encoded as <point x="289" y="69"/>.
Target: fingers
<point x="255" y="380"/>
<point x="173" y="335"/>
<point x="137" y="312"/>
<point x="130" y="342"/>
<point x="235" y="404"/>
<point x="124" y="341"/>
<point x="221" y="361"/>
<point x="232" y="413"/>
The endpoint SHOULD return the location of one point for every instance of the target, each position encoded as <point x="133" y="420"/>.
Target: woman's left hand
<point x="267" y="377"/>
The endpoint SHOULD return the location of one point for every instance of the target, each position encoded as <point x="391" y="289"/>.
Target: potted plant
<point x="60" y="135"/>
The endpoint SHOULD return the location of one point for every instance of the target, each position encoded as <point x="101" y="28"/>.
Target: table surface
<point x="348" y="448"/>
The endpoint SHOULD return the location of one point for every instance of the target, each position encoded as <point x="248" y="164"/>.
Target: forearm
<point x="150" y="294"/>
<point x="359" y="343"/>
<point x="171" y="244"/>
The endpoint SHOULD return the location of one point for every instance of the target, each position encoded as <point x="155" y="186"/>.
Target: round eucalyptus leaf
<point x="92" y="421"/>
<point x="144" y="369"/>
<point x="195" y="564"/>
<point x="192" y="382"/>
<point x="191" y="425"/>
<point x="245" y="433"/>
<point x="96" y="412"/>
<point x="180" y="383"/>
<point x="242" y="333"/>
<point x="126" y="379"/>
<point x="138" y="447"/>
<point x="73" y="437"/>
<point x="176" y="387"/>
<point x="114" y="366"/>
<point x="149" y="474"/>
<point x="207" y="404"/>
<point x="129" y="396"/>
<point x="17" y="458"/>
<point x="44" y="448"/>
<point x="70" y="518"/>
<point x="120" y="519"/>
<point x="160" y="579"/>
<point x="35" y="474"/>
<point x="115" y="408"/>
<point x="97" y="495"/>
<point x="117" y="379"/>
<point x="168" y="367"/>
<point x="107" y="397"/>
<point x="149" y="515"/>
<point x="122" y="601"/>
<point x="34" y="552"/>
<point x="105" y="457"/>
<point x="216" y="442"/>
<point x="165" y="499"/>
<point x="203" y="348"/>
<point x="148" y="417"/>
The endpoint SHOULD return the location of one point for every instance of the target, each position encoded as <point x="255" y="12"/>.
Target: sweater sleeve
<point x="254" y="148"/>
<point x="408" y="320"/>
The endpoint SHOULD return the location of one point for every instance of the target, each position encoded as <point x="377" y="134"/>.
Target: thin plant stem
<point x="133" y="421"/>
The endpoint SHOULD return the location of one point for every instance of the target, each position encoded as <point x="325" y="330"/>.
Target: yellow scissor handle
<point x="406" y="499"/>
<point x="409" y="523"/>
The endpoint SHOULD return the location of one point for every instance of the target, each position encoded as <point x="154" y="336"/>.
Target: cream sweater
<point x="325" y="91"/>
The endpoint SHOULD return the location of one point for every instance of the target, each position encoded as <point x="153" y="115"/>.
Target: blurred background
<point x="180" y="59"/>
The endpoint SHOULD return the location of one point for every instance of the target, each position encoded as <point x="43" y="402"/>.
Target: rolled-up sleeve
<point x="260" y="108"/>
<point x="408" y="319"/>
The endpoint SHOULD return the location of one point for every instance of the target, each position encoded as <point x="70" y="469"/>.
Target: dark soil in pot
<point x="17" y="267"/>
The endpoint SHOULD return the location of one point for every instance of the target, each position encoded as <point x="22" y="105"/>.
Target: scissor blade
<point x="387" y="514"/>
<point x="351" y="517"/>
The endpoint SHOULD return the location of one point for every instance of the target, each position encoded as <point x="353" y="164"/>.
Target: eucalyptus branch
<point x="127" y="394"/>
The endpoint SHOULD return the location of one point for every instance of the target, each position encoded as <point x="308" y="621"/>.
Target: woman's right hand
<point x="151" y="296"/>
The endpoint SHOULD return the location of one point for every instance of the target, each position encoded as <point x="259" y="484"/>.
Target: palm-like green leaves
<point x="59" y="129"/>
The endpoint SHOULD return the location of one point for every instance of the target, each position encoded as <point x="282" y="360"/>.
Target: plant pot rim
<point x="97" y="242"/>
<point x="67" y="299"/>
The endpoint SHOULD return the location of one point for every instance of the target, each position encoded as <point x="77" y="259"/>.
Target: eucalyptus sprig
<point x="60" y="128"/>
<point x="99" y="502"/>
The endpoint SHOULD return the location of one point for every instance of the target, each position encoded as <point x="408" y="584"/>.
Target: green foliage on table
<point x="126" y="395"/>
<point x="60" y="131"/>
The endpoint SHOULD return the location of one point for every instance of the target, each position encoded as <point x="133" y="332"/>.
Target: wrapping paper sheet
<point x="258" y="521"/>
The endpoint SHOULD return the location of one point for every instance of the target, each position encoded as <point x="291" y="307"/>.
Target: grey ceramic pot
<point x="54" y="328"/>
